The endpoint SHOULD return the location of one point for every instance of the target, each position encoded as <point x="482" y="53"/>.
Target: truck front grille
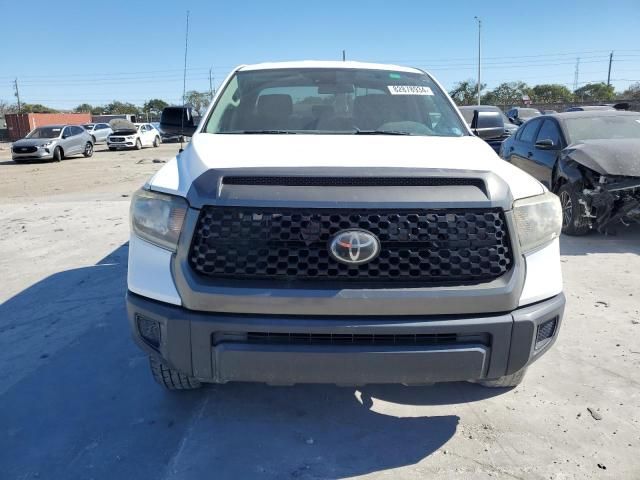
<point x="418" y="247"/>
<point x="305" y="338"/>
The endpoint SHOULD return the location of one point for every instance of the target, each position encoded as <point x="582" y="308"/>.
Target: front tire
<point x="507" y="381"/>
<point x="156" y="142"/>
<point x="171" y="379"/>
<point x="138" y="144"/>
<point x="57" y="154"/>
<point x="88" y="150"/>
<point x="573" y="220"/>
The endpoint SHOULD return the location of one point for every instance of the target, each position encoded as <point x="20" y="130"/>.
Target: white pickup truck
<point x="337" y="222"/>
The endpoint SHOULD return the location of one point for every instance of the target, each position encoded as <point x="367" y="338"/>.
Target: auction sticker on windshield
<point x="409" y="90"/>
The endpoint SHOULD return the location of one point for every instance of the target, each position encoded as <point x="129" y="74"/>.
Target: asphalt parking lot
<point x="77" y="400"/>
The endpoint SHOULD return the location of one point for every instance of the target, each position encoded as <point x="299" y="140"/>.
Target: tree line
<point x="198" y="100"/>
<point x="463" y="93"/>
<point x="512" y="93"/>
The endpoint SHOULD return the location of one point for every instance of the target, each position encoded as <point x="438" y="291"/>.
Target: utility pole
<point x="344" y="55"/>
<point x="479" y="53"/>
<point x="210" y="84"/>
<point x="17" y="94"/>
<point x="609" y="74"/>
<point x="576" y="74"/>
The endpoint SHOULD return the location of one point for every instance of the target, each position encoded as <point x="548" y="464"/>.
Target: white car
<point x="99" y="131"/>
<point x="338" y="222"/>
<point x="132" y="135"/>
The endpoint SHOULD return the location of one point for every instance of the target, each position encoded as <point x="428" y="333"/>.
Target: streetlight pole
<point x="479" y="54"/>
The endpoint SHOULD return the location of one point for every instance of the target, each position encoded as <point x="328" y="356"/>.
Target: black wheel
<point x="88" y="150"/>
<point x="57" y="154"/>
<point x="512" y="380"/>
<point x="573" y="220"/>
<point x="156" y="141"/>
<point x="138" y="144"/>
<point x="171" y="379"/>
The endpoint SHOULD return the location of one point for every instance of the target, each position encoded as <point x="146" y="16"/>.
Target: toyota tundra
<point x="338" y="222"/>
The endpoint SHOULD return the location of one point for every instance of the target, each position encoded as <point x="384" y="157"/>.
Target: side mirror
<point x="512" y="120"/>
<point x="487" y="125"/>
<point x="546" y="144"/>
<point x="178" y="121"/>
<point x="65" y="135"/>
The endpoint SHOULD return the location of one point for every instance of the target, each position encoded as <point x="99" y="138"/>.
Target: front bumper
<point x="120" y="145"/>
<point x="40" y="154"/>
<point x="215" y="347"/>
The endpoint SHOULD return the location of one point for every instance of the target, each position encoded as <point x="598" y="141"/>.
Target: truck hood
<point x="608" y="157"/>
<point x="209" y="151"/>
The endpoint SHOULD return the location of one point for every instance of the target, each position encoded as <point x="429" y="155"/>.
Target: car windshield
<point x="334" y="100"/>
<point x="45" y="132"/>
<point x="603" y="127"/>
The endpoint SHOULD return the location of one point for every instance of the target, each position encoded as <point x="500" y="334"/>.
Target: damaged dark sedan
<point x="590" y="159"/>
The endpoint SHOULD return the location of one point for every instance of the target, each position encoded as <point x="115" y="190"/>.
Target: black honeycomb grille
<point x="422" y="247"/>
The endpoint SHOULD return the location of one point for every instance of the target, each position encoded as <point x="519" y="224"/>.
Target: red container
<point x="19" y="124"/>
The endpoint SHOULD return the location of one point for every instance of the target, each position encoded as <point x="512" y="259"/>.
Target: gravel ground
<point x="77" y="401"/>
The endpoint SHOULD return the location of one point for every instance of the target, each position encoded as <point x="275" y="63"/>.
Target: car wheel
<point x="156" y="141"/>
<point x="88" y="150"/>
<point x="138" y="144"/>
<point x="573" y="220"/>
<point x="57" y="154"/>
<point x="171" y="379"/>
<point x="507" y="381"/>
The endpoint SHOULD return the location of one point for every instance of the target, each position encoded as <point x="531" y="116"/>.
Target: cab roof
<point x="327" y="64"/>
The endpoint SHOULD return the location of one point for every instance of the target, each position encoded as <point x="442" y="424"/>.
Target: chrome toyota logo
<point x="354" y="247"/>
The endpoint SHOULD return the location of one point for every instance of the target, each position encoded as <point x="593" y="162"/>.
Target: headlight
<point x="538" y="220"/>
<point x="130" y="137"/>
<point x="46" y="144"/>
<point x="158" y="218"/>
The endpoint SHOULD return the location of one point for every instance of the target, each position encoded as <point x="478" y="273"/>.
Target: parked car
<point x="129" y="135"/>
<point x="99" y="131"/>
<point x="167" y="137"/>
<point x="590" y="159"/>
<point x="519" y="115"/>
<point x="499" y="125"/>
<point x="53" y="142"/>
<point x="588" y="108"/>
<point x="375" y="240"/>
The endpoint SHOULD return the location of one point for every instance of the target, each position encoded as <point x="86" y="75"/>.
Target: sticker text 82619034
<point x="409" y="90"/>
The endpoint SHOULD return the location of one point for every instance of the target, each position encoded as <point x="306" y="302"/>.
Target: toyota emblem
<point x="354" y="247"/>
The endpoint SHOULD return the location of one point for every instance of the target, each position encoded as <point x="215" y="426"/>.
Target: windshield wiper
<point x="266" y="132"/>
<point x="379" y="132"/>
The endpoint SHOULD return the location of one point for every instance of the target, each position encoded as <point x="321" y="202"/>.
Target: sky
<point x="95" y="52"/>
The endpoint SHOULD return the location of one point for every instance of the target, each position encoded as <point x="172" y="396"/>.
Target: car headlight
<point x="130" y="137"/>
<point x="158" y="218"/>
<point x="538" y="220"/>
<point x="46" y="144"/>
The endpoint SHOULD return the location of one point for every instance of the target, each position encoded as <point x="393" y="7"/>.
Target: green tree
<point x="595" y="92"/>
<point x="466" y="92"/>
<point x="154" y="106"/>
<point x="198" y="100"/>
<point x="117" y="107"/>
<point x="83" y="107"/>
<point x="550" y="93"/>
<point x="631" y="93"/>
<point x="506" y="94"/>
<point x="37" y="108"/>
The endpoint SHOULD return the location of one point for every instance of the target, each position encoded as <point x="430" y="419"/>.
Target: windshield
<point x="45" y="132"/>
<point x="603" y="127"/>
<point x="336" y="100"/>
